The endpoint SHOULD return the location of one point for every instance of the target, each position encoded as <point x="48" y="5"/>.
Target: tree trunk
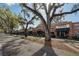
<point x="11" y="31"/>
<point x="47" y="34"/>
<point x="25" y="33"/>
<point x="47" y="37"/>
<point x="47" y="28"/>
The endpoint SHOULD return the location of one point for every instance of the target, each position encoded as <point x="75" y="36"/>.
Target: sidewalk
<point x="15" y="46"/>
<point x="29" y="48"/>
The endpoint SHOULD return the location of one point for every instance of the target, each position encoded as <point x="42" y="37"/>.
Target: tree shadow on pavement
<point x="46" y="50"/>
<point x="11" y="48"/>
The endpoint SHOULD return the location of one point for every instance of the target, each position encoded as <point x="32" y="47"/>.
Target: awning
<point x="62" y="29"/>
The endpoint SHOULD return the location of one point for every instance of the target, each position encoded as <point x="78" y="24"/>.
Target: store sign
<point x="63" y="26"/>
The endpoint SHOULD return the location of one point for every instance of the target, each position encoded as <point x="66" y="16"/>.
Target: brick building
<point x="67" y="29"/>
<point x="60" y="30"/>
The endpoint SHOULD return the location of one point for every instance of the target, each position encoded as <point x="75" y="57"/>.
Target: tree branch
<point x="54" y="10"/>
<point x="45" y="8"/>
<point x="35" y="12"/>
<point x="51" y="7"/>
<point x="35" y="7"/>
<point x="64" y="13"/>
<point x="59" y="5"/>
<point x="31" y="19"/>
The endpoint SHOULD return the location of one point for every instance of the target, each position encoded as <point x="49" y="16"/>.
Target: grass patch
<point x="32" y="38"/>
<point x="22" y="37"/>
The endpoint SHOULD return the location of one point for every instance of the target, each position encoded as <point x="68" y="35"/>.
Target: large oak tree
<point x="51" y="11"/>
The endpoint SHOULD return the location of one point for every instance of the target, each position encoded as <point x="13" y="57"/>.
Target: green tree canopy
<point x="8" y="20"/>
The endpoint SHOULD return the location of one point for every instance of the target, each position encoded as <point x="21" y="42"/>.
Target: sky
<point x="71" y="17"/>
<point x="17" y="9"/>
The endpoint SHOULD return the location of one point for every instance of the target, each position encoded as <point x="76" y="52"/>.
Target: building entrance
<point x="62" y="32"/>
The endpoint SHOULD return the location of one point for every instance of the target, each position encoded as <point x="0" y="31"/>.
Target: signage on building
<point x="63" y="26"/>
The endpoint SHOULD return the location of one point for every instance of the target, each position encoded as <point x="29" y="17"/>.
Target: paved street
<point x="14" y="45"/>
